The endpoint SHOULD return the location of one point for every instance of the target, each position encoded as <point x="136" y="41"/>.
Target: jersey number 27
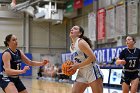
<point x="132" y="63"/>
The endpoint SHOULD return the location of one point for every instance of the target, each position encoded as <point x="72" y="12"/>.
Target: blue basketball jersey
<point x="132" y="58"/>
<point x="15" y="61"/>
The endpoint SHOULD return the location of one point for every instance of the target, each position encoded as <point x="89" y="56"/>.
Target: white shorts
<point x="89" y="74"/>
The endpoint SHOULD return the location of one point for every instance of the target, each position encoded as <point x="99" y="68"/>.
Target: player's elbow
<point x="93" y="58"/>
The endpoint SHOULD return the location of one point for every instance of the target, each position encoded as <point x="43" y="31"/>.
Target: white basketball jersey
<point x="87" y="73"/>
<point x="76" y="54"/>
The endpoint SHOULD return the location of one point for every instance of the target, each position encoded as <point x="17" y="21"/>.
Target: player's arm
<point x="120" y="62"/>
<point x="32" y="63"/>
<point x="7" y="66"/>
<point x="85" y="48"/>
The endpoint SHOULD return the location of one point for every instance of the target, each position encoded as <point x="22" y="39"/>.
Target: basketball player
<point x="11" y="66"/>
<point x="89" y="73"/>
<point x="130" y="59"/>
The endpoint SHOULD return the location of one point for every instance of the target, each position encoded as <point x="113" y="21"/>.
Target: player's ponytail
<point x="84" y="37"/>
<point x="7" y="39"/>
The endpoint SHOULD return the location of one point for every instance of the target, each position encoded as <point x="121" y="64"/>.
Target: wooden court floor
<point x="45" y="86"/>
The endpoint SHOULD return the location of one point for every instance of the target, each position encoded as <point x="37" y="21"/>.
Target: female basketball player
<point x="11" y="66"/>
<point x="130" y="59"/>
<point x="89" y="73"/>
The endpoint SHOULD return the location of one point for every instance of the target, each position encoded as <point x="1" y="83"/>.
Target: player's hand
<point x="123" y="62"/>
<point x="75" y="66"/>
<point x="45" y="62"/>
<point x="25" y="69"/>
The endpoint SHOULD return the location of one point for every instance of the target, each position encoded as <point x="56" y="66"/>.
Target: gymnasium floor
<point x="45" y="86"/>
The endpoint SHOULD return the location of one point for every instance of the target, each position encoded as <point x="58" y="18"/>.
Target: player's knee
<point x="11" y="88"/>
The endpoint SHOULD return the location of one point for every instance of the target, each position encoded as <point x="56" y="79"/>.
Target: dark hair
<point x="7" y="39"/>
<point x="84" y="37"/>
<point x="132" y="38"/>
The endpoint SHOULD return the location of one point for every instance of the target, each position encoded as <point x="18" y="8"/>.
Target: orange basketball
<point x="66" y="67"/>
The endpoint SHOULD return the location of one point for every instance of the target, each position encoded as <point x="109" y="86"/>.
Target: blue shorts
<point x="127" y="77"/>
<point x="4" y="81"/>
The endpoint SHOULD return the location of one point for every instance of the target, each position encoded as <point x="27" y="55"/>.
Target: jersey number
<point x="132" y="63"/>
<point x="18" y="66"/>
<point x="77" y="60"/>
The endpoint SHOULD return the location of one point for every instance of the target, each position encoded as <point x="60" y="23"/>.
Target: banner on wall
<point x="107" y="54"/>
<point x="78" y="4"/>
<point x="120" y="20"/>
<point x="110" y="23"/>
<point x="69" y="6"/>
<point x="92" y="26"/>
<point x="132" y="16"/>
<point x="66" y="56"/>
<point x="87" y="2"/>
<point x="101" y="23"/>
<point x="103" y="55"/>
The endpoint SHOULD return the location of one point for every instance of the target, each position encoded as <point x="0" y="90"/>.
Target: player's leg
<point x="95" y="79"/>
<point x="19" y="85"/>
<point x="134" y="85"/>
<point x="125" y="82"/>
<point x="125" y="87"/>
<point x="79" y="87"/>
<point x="11" y="88"/>
<point x="24" y="91"/>
<point x="97" y="86"/>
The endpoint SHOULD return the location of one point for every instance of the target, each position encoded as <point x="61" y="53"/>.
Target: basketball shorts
<point x="127" y="77"/>
<point x="4" y="81"/>
<point x="89" y="74"/>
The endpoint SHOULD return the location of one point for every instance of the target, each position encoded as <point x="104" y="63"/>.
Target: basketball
<point x="66" y="67"/>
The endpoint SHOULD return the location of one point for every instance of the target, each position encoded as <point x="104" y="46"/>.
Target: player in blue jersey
<point x="89" y="73"/>
<point x="11" y="66"/>
<point x="130" y="59"/>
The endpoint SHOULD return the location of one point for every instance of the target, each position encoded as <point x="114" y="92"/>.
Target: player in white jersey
<point x="89" y="73"/>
